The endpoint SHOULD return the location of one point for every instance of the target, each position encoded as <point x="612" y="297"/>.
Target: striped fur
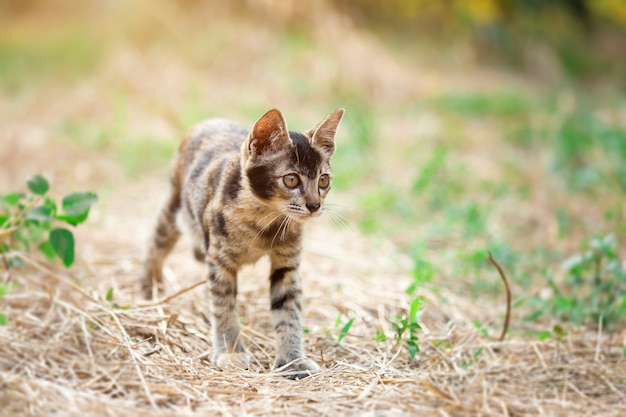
<point x="245" y="195"/>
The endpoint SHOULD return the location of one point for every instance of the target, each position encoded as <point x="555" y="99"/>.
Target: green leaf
<point x="344" y="330"/>
<point x="622" y="310"/>
<point x="479" y="326"/>
<point x="41" y="214"/>
<point x="74" y="221"/>
<point x="414" y="312"/>
<point x="12" y="199"/>
<point x="380" y="336"/>
<point x="546" y="334"/>
<point x="533" y="316"/>
<point x="48" y="202"/>
<point x="338" y="320"/>
<point x="109" y="296"/>
<point x="3" y="320"/>
<point x="47" y="249"/>
<point x="37" y="184"/>
<point x="77" y="204"/>
<point x="559" y="331"/>
<point x="477" y="354"/>
<point x="413" y="348"/>
<point x="62" y="241"/>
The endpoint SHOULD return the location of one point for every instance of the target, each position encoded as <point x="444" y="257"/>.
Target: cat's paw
<point x="239" y="360"/>
<point x="297" y="369"/>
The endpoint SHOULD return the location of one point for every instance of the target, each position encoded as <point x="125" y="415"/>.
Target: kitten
<point x="246" y="195"/>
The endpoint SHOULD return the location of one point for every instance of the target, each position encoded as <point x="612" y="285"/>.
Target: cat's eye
<point x="324" y="181"/>
<point x="291" y="180"/>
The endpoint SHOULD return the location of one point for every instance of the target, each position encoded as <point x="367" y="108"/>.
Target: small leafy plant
<point x="345" y="329"/>
<point x="405" y="328"/>
<point x="557" y="333"/>
<point x="594" y="289"/>
<point x="464" y="364"/>
<point x="3" y="318"/>
<point x="34" y="220"/>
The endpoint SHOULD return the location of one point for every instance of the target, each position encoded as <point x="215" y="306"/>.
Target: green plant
<point x="467" y="363"/>
<point x="406" y="328"/>
<point x="345" y="329"/>
<point x="594" y="288"/>
<point x="481" y="329"/>
<point x="589" y="152"/>
<point x="33" y="220"/>
<point x="3" y="318"/>
<point x="502" y="104"/>
<point x="557" y="333"/>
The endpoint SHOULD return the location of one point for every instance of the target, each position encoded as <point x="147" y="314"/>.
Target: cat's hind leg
<point x="229" y="350"/>
<point x="164" y="238"/>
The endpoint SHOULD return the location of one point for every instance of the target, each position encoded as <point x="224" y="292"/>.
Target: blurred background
<point x="471" y="126"/>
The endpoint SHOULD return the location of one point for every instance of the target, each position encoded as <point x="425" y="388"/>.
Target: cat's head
<point x="290" y="171"/>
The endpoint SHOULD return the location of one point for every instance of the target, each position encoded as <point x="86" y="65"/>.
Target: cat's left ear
<point x="323" y="136"/>
<point x="269" y="132"/>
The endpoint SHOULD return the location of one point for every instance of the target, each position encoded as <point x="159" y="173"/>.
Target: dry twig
<point x="507" y="317"/>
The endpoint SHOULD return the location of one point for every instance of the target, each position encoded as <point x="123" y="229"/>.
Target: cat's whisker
<point x="281" y="226"/>
<point x="337" y="219"/>
<point x="266" y="216"/>
<point x="335" y="205"/>
<point x="289" y="220"/>
<point x="264" y="228"/>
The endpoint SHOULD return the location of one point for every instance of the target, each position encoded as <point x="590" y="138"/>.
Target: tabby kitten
<point x="245" y="195"/>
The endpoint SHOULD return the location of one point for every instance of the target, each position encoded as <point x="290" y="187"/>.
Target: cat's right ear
<point x="323" y="135"/>
<point x="270" y="131"/>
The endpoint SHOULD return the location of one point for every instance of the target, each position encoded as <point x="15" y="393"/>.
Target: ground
<point x="83" y="342"/>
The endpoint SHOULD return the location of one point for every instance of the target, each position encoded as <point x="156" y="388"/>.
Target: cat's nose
<point x="313" y="206"/>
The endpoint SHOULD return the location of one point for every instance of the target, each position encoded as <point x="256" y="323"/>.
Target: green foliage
<point x="37" y="184"/>
<point x="60" y="56"/>
<point x="589" y="152"/>
<point x="29" y="221"/>
<point x="344" y="329"/>
<point x="502" y="104"/>
<point x="422" y="273"/>
<point x="557" y="332"/>
<point x="481" y="329"/>
<point x="406" y="328"/>
<point x="62" y="242"/>
<point x="594" y="288"/>
<point x="3" y="318"/>
<point x="472" y="361"/>
<point x="109" y="295"/>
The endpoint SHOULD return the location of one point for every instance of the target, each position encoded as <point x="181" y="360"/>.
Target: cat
<point x="244" y="195"/>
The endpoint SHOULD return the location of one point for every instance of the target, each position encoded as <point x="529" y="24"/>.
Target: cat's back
<point x="210" y="140"/>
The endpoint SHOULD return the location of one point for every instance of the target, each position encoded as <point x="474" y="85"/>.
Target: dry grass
<point x="69" y="351"/>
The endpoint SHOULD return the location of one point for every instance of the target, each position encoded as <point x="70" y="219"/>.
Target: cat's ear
<point x="270" y="131"/>
<point x="323" y="135"/>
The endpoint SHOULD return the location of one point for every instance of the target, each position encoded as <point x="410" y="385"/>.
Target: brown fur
<point x="245" y="195"/>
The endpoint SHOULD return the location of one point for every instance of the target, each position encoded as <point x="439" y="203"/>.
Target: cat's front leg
<point x="225" y="328"/>
<point x="286" y="298"/>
